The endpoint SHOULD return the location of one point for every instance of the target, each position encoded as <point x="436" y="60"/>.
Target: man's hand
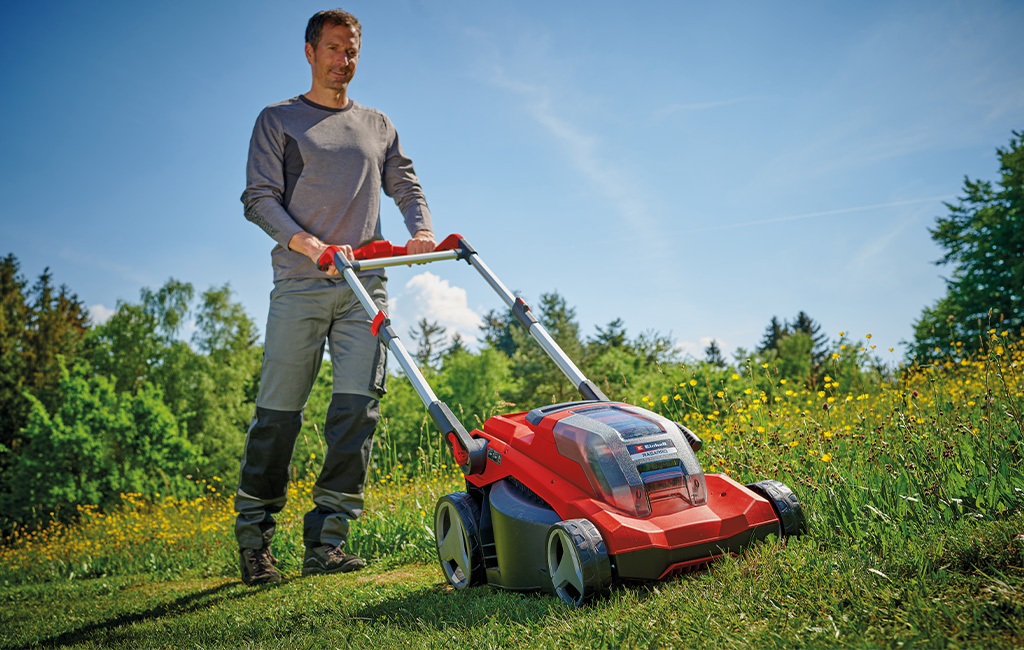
<point x="311" y="246"/>
<point x="421" y="242"/>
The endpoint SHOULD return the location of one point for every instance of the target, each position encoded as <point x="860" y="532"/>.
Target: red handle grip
<point x="377" y="249"/>
<point x="381" y="248"/>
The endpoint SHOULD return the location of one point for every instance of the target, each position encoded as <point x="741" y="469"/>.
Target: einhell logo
<point x="651" y="449"/>
<point x="650" y="446"/>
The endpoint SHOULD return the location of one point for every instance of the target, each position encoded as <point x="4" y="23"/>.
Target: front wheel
<point x="792" y="522"/>
<point x="577" y="561"/>
<point x="457" y="533"/>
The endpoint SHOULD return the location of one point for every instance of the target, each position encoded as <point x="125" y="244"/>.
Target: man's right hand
<point x="311" y="246"/>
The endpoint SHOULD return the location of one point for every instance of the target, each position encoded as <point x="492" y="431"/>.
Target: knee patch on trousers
<point x="338" y="493"/>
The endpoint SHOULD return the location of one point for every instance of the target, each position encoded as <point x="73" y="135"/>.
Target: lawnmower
<point x="567" y="498"/>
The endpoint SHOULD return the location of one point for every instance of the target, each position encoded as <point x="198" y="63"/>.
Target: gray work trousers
<point x="304" y="314"/>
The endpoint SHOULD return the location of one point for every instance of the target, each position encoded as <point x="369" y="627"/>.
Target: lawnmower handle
<point x="385" y="249"/>
<point x="470" y="453"/>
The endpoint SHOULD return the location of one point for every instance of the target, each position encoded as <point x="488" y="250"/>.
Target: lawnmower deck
<point x="674" y="536"/>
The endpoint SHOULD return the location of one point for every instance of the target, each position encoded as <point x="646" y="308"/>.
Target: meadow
<point x="912" y="487"/>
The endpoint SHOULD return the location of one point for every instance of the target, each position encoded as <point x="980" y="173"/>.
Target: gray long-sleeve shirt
<point x="321" y="170"/>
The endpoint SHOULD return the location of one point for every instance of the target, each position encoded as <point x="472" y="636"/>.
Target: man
<point x="317" y="165"/>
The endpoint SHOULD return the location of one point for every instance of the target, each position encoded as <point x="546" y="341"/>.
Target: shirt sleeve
<point x="263" y="197"/>
<point x="399" y="181"/>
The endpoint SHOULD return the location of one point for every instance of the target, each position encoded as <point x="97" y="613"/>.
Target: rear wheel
<point x="787" y="507"/>
<point x="577" y="561"/>
<point x="457" y="534"/>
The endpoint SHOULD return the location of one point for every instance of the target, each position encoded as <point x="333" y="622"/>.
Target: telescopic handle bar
<point x="470" y="453"/>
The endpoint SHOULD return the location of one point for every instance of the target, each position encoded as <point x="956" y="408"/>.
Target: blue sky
<point x="693" y="168"/>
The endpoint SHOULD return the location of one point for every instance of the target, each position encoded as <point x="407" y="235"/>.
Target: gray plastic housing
<point x="519" y="526"/>
<point x="631" y="456"/>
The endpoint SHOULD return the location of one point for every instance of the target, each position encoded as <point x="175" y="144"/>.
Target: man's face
<point x="334" y="59"/>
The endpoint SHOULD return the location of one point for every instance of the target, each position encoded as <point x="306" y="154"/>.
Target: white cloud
<point x="428" y="296"/>
<point x="695" y="351"/>
<point x="100" y="314"/>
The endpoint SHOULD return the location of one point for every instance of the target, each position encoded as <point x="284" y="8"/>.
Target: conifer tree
<point x="983" y="239"/>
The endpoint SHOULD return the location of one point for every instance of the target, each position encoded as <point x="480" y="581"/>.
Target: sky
<point x="692" y="168"/>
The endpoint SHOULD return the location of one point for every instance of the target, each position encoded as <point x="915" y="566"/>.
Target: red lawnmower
<point x="568" y="497"/>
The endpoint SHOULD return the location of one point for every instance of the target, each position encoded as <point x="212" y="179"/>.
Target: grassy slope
<point x="965" y="589"/>
<point x="914" y="494"/>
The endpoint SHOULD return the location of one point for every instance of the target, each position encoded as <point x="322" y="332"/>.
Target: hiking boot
<point x="329" y="559"/>
<point x="258" y="566"/>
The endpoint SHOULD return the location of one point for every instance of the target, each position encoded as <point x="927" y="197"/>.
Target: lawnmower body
<point x="569" y="497"/>
<point x="629" y="471"/>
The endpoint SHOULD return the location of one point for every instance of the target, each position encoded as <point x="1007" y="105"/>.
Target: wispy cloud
<point x="701" y="106"/>
<point x="614" y="182"/>
<point x="121" y="270"/>
<point x="872" y="249"/>
<point x="824" y="213"/>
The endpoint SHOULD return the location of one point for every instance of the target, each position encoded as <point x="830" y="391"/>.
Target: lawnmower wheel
<point x="457" y="534"/>
<point x="577" y="561"/>
<point x="787" y="507"/>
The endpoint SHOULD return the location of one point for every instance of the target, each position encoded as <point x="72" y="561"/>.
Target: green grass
<point x="962" y="589"/>
<point x="913" y="490"/>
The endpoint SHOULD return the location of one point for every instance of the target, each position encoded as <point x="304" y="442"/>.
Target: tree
<point x="819" y="342"/>
<point x="93" y="445"/>
<point x="13" y="318"/>
<point x="430" y="337"/>
<point x="169" y="305"/>
<point x="983" y="239"/>
<point x="541" y="380"/>
<point x="795" y="357"/>
<point x="209" y="386"/>
<point x="772" y="334"/>
<point x="36" y="326"/>
<point x="216" y="388"/>
<point x="796" y="348"/>
<point x="457" y="345"/>
<point x="57" y="319"/>
<point x="713" y="354"/>
<point x="127" y="347"/>
<point x="655" y="348"/>
<point x="611" y="336"/>
<point x="473" y="384"/>
<point x="498" y="331"/>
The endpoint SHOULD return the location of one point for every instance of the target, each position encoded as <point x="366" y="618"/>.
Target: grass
<point x="913" y="489"/>
<point x="775" y="595"/>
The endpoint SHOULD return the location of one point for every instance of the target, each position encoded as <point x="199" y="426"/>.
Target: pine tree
<point x="772" y="334"/>
<point x="498" y="331"/>
<point x="57" y="319"/>
<point x="819" y="342"/>
<point x="713" y="355"/>
<point x="983" y="238"/>
<point x="13" y="320"/>
<point x="429" y="337"/>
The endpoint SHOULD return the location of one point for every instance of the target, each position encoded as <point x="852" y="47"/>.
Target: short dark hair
<point x="315" y="27"/>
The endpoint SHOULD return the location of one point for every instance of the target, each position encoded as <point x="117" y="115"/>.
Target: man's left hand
<point x="421" y="242"/>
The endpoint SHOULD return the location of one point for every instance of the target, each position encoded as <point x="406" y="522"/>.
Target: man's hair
<point x="315" y="27"/>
